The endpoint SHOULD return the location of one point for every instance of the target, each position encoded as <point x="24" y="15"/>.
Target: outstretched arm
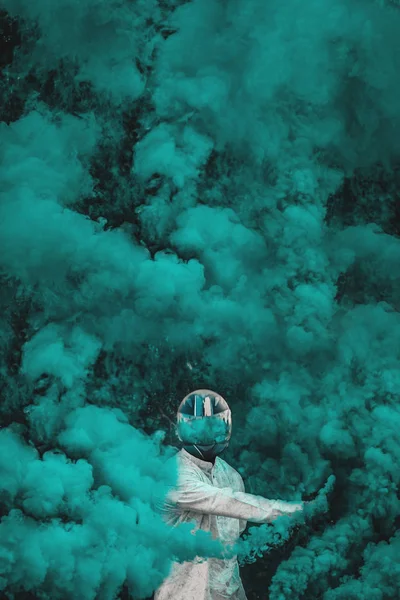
<point x="194" y="495"/>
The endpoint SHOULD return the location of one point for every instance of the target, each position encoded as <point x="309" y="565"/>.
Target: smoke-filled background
<point x="198" y="194"/>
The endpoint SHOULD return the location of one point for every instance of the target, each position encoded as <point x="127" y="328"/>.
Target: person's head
<point x="204" y="424"/>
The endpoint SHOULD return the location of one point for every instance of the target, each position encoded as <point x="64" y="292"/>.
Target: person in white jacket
<point x="211" y="495"/>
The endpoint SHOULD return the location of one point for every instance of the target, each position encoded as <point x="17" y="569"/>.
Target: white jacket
<point x="213" y="498"/>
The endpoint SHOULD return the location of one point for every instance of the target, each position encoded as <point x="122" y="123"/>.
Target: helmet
<point x="204" y="424"/>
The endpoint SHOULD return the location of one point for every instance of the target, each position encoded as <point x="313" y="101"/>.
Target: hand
<point x="320" y="504"/>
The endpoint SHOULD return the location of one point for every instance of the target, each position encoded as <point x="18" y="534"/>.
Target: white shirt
<point x="212" y="497"/>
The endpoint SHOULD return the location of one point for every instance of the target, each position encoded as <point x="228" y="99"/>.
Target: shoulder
<point x="187" y="468"/>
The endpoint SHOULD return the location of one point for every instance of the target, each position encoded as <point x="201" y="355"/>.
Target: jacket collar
<point x="205" y="466"/>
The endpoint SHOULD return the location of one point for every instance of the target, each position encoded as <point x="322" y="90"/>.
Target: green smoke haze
<point x="204" y="431"/>
<point x="199" y="194"/>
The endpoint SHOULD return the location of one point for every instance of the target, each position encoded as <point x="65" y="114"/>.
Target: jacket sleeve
<point x="194" y="495"/>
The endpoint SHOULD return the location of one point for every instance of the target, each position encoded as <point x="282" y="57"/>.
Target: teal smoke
<point x="198" y="194"/>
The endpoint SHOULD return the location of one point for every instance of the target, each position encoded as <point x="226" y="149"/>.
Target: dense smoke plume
<point x="198" y="194"/>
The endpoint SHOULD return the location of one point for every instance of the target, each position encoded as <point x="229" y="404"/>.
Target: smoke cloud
<point x="198" y="194"/>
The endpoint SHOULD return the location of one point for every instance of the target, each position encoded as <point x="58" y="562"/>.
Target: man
<point x="211" y="495"/>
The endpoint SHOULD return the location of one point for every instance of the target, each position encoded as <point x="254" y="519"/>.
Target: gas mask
<point x="204" y="424"/>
